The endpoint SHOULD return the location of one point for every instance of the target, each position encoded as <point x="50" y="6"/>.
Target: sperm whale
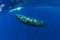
<point x="29" y="21"/>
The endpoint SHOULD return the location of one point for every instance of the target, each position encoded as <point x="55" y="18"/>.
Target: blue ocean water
<point x="12" y="29"/>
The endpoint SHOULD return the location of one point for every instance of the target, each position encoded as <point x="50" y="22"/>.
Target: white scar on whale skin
<point x="1" y="7"/>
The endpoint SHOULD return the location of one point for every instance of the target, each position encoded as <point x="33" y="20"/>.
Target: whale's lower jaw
<point x="29" y="21"/>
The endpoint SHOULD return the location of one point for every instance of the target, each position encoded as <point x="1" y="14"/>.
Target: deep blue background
<point x="12" y="29"/>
